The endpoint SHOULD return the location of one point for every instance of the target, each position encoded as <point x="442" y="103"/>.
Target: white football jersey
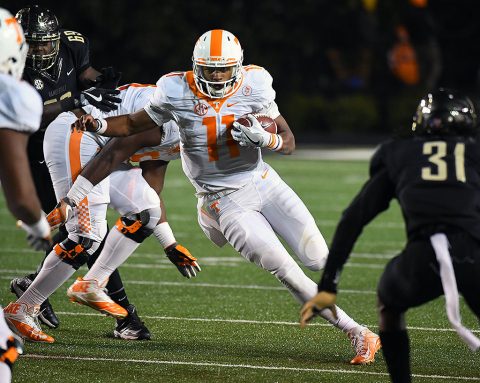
<point x="134" y="97"/>
<point x="211" y="158"/>
<point x="168" y="150"/>
<point x="21" y="106"/>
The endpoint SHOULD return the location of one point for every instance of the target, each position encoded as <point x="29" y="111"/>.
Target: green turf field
<point x="235" y="322"/>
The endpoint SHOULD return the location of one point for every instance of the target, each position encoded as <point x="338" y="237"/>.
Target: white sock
<point x="53" y="274"/>
<point x="116" y="250"/>
<point x="344" y="322"/>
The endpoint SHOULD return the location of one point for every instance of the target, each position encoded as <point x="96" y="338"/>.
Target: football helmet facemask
<point x="445" y="112"/>
<point x="13" y="47"/>
<point x="42" y="32"/>
<point x="217" y="51"/>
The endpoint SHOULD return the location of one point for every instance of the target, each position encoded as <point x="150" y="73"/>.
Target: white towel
<point x="440" y="245"/>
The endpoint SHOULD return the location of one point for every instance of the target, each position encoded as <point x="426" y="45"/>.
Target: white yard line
<point x="244" y="366"/>
<point x="248" y="321"/>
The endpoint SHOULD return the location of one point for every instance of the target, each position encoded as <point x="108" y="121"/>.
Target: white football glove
<point x="38" y="234"/>
<point x="254" y="136"/>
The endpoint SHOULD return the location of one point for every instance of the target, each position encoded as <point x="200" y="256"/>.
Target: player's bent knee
<point x="141" y="226"/>
<point x="75" y="253"/>
<point x="314" y="253"/>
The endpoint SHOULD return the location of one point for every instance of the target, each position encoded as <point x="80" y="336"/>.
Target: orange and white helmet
<point x="218" y="49"/>
<point x="13" y="47"/>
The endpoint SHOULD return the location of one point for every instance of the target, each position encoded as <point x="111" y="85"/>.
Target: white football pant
<point x="249" y="218"/>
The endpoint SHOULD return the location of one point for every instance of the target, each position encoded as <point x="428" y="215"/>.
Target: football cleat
<point x="90" y="293"/>
<point x="131" y="327"/>
<point x="366" y="344"/>
<point x="22" y="320"/>
<point x="47" y="316"/>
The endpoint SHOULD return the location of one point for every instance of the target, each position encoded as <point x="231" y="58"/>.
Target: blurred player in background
<point x="241" y="199"/>
<point x="434" y="174"/>
<point x="126" y="190"/>
<point x="20" y="114"/>
<point x="58" y="66"/>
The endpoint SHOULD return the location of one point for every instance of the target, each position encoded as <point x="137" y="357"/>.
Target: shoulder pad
<point x="21" y="105"/>
<point x="72" y="37"/>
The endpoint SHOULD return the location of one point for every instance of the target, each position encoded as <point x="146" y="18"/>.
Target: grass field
<point x="235" y="322"/>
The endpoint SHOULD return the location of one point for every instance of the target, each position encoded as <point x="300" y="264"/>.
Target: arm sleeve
<point x="373" y="198"/>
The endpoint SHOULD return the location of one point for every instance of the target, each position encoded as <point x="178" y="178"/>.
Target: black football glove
<point x="109" y="78"/>
<point x="103" y="99"/>
<point x="186" y="263"/>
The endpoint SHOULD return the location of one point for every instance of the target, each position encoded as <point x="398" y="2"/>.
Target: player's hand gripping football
<point x="323" y="300"/>
<point x="60" y="214"/>
<point x="253" y="135"/>
<point x="38" y="234"/>
<point x="103" y="99"/>
<point x="186" y="263"/>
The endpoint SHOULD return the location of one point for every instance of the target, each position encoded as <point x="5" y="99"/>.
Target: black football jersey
<point x="436" y="181"/>
<point x="60" y="81"/>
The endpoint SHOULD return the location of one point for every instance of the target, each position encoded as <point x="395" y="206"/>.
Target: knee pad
<point x="141" y="226"/>
<point x="75" y="253"/>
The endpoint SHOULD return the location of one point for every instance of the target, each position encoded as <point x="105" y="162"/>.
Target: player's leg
<point x="86" y="229"/>
<point x="237" y="218"/>
<point x="465" y="254"/>
<point x="291" y="219"/>
<point x="46" y="194"/>
<point x="408" y="281"/>
<point x="140" y="208"/>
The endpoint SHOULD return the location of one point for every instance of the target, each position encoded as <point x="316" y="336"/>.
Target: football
<point x="267" y="123"/>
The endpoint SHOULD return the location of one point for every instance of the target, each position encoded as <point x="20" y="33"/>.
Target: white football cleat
<point x="90" y="293"/>
<point x="22" y="320"/>
<point x="366" y="344"/>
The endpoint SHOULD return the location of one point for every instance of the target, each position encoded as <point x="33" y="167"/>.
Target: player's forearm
<point x="288" y="146"/>
<point x="287" y="137"/>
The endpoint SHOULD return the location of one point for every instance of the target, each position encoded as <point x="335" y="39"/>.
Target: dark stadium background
<point x="329" y="59"/>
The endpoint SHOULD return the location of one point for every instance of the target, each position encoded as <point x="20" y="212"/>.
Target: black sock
<point x="116" y="290"/>
<point x="396" y="351"/>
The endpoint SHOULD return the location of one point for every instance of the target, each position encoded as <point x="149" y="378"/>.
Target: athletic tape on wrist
<point x="163" y="232"/>
<point x="276" y="142"/>
<point x="101" y="125"/>
<point x="41" y="228"/>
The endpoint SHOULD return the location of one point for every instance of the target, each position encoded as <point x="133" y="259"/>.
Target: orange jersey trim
<point x="215" y="103"/>
<point x="136" y="85"/>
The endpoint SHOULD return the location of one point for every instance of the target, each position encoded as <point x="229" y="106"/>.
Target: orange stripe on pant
<point x="75" y="169"/>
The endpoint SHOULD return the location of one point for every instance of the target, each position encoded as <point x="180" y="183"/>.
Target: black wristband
<point x="68" y="103"/>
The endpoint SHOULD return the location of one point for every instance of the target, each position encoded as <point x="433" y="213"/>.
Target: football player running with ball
<point x="20" y="115"/>
<point x="241" y="199"/>
<point x="434" y="174"/>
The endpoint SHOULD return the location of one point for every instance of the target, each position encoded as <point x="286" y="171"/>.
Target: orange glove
<point x="186" y="263"/>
